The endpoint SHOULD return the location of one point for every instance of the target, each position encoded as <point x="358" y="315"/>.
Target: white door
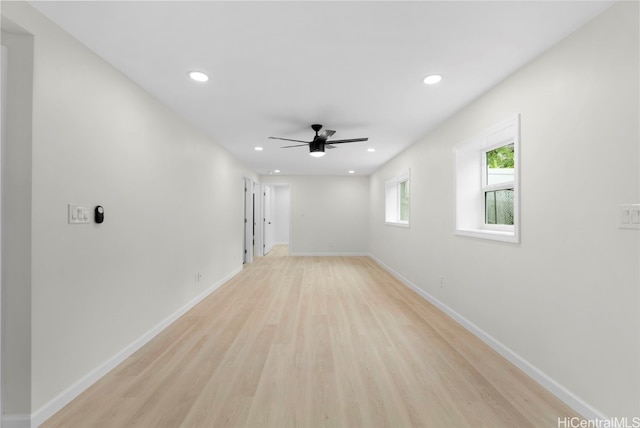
<point x="281" y="201"/>
<point x="3" y="92"/>
<point x="248" y="221"/>
<point x="267" y="220"/>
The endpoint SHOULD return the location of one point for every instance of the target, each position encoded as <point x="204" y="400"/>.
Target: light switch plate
<point x="78" y="214"/>
<point x="629" y="216"/>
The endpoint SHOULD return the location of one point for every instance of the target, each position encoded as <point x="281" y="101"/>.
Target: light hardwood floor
<point x="279" y="250"/>
<point x="314" y="342"/>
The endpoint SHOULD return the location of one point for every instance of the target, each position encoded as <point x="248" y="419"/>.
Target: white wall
<point x="567" y="298"/>
<point x="329" y="214"/>
<point x="98" y="139"/>
<point x="16" y="254"/>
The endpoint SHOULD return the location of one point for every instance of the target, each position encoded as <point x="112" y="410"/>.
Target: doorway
<point x="276" y="218"/>
<point x="249" y="235"/>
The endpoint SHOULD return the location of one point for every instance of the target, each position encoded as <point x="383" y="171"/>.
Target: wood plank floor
<point x="279" y="250"/>
<point x="314" y="342"/>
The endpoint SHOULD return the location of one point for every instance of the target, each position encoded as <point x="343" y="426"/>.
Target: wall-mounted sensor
<point x="99" y="214"/>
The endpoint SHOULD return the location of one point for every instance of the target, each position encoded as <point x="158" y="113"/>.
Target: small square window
<point x="498" y="187"/>
<point x="487" y="183"/>
<point x="397" y="200"/>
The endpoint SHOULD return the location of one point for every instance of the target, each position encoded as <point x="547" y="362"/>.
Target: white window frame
<point x="392" y="199"/>
<point x="471" y="178"/>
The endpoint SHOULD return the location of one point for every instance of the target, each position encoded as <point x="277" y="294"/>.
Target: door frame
<point x="273" y="186"/>
<point x="3" y="134"/>
<point x="249" y="222"/>
<point x="263" y="193"/>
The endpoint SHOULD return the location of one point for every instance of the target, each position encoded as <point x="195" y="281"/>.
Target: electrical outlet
<point x="441" y="282"/>
<point x="629" y="216"/>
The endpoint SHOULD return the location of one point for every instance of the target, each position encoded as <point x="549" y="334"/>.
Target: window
<point x="397" y="199"/>
<point x="497" y="186"/>
<point x="487" y="177"/>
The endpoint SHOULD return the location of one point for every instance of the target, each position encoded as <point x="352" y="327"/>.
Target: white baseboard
<point x="329" y="254"/>
<point x="569" y="398"/>
<point x="64" y="398"/>
<point x="16" y="421"/>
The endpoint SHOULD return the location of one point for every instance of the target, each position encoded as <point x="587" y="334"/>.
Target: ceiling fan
<point x="320" y="141"/>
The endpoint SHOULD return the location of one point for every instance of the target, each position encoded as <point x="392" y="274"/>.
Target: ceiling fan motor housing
<point x="316" y="146"/>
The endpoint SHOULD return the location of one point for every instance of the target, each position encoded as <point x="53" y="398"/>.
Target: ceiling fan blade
<point x="353" y="140"/>
<point x="297" y="145"/>
<point x="327" y="133"/>
<point x="288" y="139"/>
<point x="329" y="146"/>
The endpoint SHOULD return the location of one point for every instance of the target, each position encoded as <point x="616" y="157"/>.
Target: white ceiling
<point x="356" y="67"/>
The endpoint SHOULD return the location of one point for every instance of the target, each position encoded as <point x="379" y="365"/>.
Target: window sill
<point x="495" y="235"/>
<point x="392" y="223"/>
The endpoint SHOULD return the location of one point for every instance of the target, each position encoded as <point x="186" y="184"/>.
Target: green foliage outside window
<point x="502" y="157"/>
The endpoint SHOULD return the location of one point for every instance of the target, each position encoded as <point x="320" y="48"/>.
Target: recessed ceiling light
<point x="257" y="149"/>
<point x="352" y="172"/>
<point x="198" y="76"/>
<point x="431" y="79"/>
<point x="276" y="171"/>
<point x="371" y="149"/>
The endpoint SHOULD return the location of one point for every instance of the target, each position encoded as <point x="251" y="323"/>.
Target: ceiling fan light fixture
<point x="432" y="79"/>
<point x="316" y="148"/>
